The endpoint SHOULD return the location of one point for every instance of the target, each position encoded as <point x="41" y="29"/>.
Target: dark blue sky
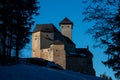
<point x="53" y="11"/>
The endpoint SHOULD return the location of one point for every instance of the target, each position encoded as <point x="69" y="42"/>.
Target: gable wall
<point x="46" y="39"/>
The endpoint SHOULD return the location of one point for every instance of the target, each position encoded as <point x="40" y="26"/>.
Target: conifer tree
<point x="106" y="30"/>
<point x="104" y="76"/>
<point x="15" y="24"/>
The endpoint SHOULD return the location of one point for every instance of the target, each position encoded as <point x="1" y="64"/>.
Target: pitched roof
<point x="58" y="42"/>
<point x="68" y="40"/>
<point x="83" y="52"/>
<point x="50" y="28"/>
<point x="44" y="28"/>
<point x="66" y="21"/>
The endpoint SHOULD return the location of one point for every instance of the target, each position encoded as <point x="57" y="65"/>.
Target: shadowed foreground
<point x="32" y="72"/>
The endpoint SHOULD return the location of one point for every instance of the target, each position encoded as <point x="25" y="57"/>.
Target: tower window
<point x="46" y="35"/>
<point x="68" y="26"/>
<point x="33" y="50"/>
<point x="35" y="37"/>
<point x="56" y="50"/>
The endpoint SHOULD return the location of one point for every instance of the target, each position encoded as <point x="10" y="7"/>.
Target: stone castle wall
<point x="36" y="44"/>
<point x="43" y="46"/>
<point x="46" y="39"/>
<point x="79" y="64"/>
<point x="66" y="30"/>
<point x="55" y="53"/>
<point x="59" y="55"/>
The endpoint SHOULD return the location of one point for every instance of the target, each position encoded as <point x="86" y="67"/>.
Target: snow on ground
<point x="33" y="72"/>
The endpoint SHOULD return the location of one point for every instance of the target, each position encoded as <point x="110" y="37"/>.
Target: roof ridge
<point x="66" y="21"/>
<point x="44" y="28"/>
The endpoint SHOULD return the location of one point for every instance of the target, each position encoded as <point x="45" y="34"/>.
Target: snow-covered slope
<point x="33" y="72"/>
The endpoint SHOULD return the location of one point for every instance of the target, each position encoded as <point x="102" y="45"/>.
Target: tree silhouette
<point x="106" y="31"/>
<point x="15" y="24"/>
<point x="104" y="76"/>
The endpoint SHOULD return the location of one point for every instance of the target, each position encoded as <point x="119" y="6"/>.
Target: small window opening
<point x="36" y="38"/>
<point x="47" y="28"/>
<point x="56" y="50"/>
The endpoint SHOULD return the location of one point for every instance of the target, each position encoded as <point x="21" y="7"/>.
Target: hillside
<point x="34" y="72"/>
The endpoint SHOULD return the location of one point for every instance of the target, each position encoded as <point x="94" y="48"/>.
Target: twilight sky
<point x="53" y="11"/>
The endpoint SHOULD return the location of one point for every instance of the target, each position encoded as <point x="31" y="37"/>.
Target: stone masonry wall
<point x="78" y="64"/>
<point x="59" y="56"/>
<point x="66" y="30"/>
<point x="36" y="44"/>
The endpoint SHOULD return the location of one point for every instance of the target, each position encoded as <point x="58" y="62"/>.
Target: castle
<point x="57" y="46"/>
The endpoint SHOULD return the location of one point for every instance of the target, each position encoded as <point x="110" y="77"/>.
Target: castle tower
<point x="35" y="44"/>
<point x="66" y="27"/>
<point x="57" y="53"/>
<point x="42" y="38"/>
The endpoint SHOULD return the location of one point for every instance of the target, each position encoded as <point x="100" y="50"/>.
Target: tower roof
<point x="66" y="21"/>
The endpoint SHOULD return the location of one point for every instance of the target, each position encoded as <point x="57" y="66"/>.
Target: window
<point x="41" y="50"/>
<point x="56" y="50"/>
<point x="46" y="35"/>
<point x="36" y="37"/>
<point x="33" y="50"/>
<point x="47" y="29"/>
